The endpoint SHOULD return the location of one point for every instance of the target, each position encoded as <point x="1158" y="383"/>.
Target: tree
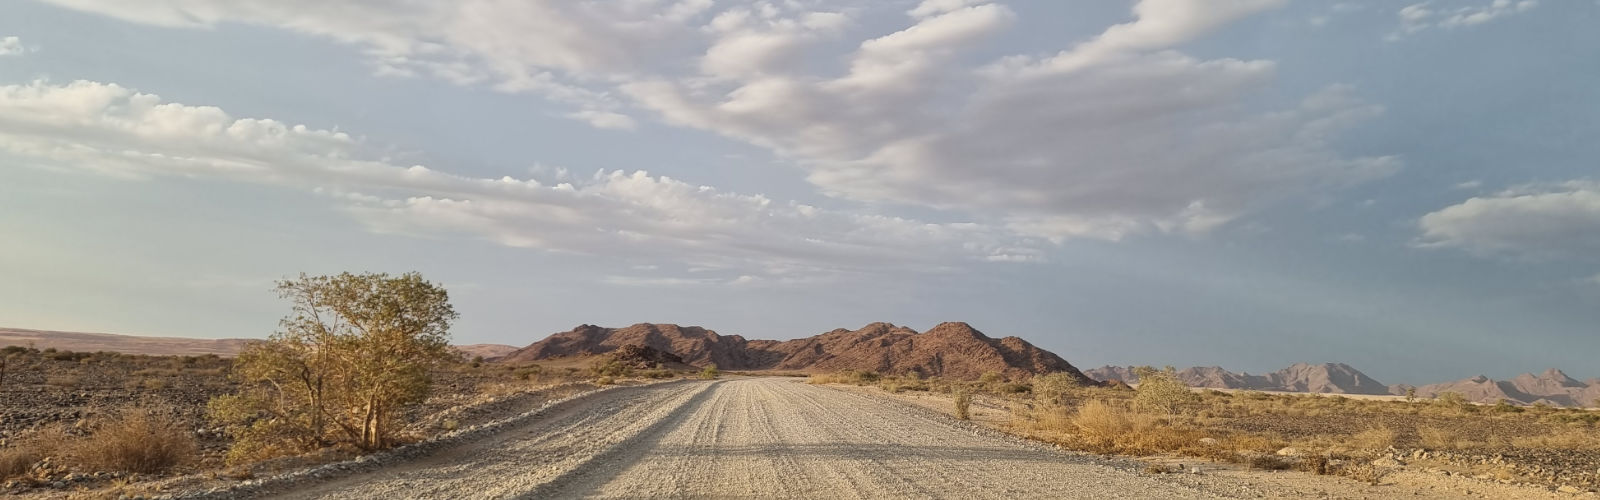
<point x="354" y="351"/>
<point x="1162" y="390"/>
<point x="1053" y="387"/>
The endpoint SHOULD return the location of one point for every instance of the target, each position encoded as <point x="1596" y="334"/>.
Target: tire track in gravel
<point x="747" y="438"/>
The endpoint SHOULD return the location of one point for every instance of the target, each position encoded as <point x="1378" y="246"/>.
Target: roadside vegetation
<point x="361" y="363"/>
<point x="1321" y="434"/>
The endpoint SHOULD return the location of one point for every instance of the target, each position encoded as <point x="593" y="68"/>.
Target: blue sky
<point x="1410" y="188"/>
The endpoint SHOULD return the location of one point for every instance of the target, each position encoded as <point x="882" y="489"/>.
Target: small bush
<point x="1054" y="387"/>
<point x="1376" y="438"/>
<point x="990" y="378"/>
<point x="605" y="380"/>
<point x="136" y="441"/>
<point x="24" y="452"/>
<point x="1161" y="390"/>
<point x="1438" y="438"/>
<point x="963" y="401"/>
<point x="1101" y="425"/>
<point x="710" y="372"/>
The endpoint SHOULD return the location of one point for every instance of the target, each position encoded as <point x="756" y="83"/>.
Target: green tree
<point x="355" y="350"/>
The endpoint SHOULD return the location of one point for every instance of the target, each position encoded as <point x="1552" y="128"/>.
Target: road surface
<point x="748" y="438"/>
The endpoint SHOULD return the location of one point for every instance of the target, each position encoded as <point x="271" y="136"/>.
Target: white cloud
<point x="1116" y="136"/>
<point x="114" y="130"/>
<point x="1121" y="134"/>
<point x="605" y="119"/>
<point x="1538" y="221"/>
<point x="1421" y="16"/>
<point x="11" y="46"/>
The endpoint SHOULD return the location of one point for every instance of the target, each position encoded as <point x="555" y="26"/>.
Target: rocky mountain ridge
<point x="954" y="350"/>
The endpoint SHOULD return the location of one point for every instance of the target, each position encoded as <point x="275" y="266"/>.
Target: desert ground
<point x="782" y="438"/>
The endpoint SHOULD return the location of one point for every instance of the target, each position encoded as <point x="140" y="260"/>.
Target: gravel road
<point x="744" y="438"/>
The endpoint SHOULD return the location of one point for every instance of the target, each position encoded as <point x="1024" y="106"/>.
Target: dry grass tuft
<point x="1376" y="438"/>
<point x="19" y="458"/>
<point x="135" y="441"/>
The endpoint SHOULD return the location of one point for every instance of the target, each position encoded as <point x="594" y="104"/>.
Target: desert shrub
<point x="605" y="380"/>
<point x="1438" y="438"/>
<point x="1101" y="425"/>
<point x="963" y="401"/>
<point x="154" y="384"/>
<point x="610" y="367"/>
<point x="17" y="459"/>
<point x="857" y="377"/>
<point x="990" y="378"/>
<point x="135" y="441"/>
<point x="1054" y="387"/>
<point x="354" y="353"/>
<point x="710" y="372"/>
<point x="1450" y="400"/>
<point x="1567" y="440"/>
<point x="1506" y="407"/>
<point x="656" y="373"/>
<point x="65" y="381"/>
<point x="530" y="372"/>
<point x="1160" y="390"/>
<point x="1376" y="438"/>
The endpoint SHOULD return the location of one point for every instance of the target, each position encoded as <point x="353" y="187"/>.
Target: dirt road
<point x="759" y="438"/>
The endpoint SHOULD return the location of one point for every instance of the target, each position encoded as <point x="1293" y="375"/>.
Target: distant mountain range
<point x="1551" y="387"/>
<point x="954" y="350"/>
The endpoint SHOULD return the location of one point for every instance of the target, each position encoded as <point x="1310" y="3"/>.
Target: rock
<point x="1194" y="470"/>
<point x="1387" y="462"/>
<point x="1567" y="488"/>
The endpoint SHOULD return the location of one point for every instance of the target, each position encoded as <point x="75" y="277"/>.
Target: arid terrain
<point x="631" y="412"/>
<point x="782" y="438"/>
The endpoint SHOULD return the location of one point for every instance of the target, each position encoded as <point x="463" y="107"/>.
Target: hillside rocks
<point x="954" y="350"/>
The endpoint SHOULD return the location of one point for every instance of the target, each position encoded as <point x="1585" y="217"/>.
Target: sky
<point x="1410" y="188"/>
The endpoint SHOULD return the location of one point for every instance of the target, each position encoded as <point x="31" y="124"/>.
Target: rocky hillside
<point x="950" y="350"/>
<point x="1328" y="378"/>
<point x="1551" y="387"/>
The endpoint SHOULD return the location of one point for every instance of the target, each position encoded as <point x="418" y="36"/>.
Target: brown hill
<point x="950" y="350"/>
<point x="1328" y="378"/>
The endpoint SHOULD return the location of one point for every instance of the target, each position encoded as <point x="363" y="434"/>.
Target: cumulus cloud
<point x="1116" y="136"/>
<point x="1538" y="221"/>
<point x="114" y="130"/>
<point x="1120" y="134"/>
<point x="11" y="46"/>
<point x="1421" y="16"/>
